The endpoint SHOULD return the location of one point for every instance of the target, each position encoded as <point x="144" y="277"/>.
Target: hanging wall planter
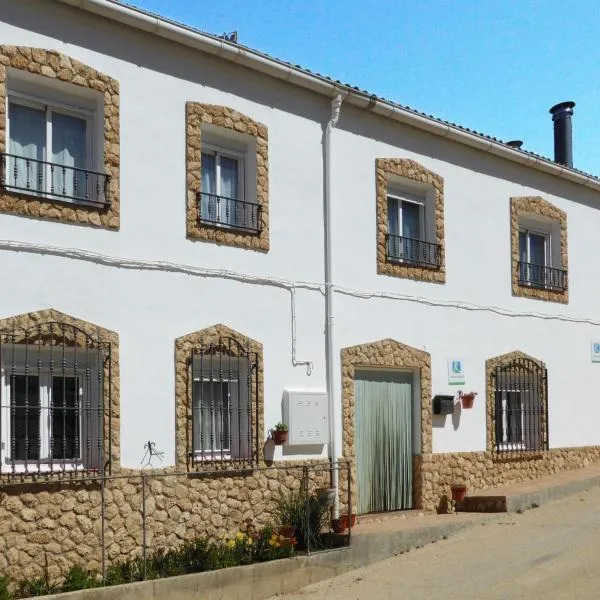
<point x="467" y="399"/>
<point x="279" y="434"/>
<point x="326" y="496"/>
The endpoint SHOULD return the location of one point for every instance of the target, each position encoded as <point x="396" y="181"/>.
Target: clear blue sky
<point x="496" y="66"/>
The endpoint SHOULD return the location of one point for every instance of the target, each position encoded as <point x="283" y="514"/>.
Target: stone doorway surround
<point x="387" y="354"/>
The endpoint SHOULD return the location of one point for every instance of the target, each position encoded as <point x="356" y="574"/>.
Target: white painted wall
<point x="150" y="309"/>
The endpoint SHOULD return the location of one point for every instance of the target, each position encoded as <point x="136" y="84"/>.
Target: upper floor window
<point x="227" y="177"/>
<point x="539" y="249"/>
<point x="60" y="139"/>
<point x="222" y="199"/>
<point x="407" y="237"/>
<point x="50" y="152"/>
<point x="536" y="267"/>
<point x="410" y="220"/>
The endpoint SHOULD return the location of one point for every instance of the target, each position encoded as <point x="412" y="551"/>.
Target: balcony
<point x="220" y="211"/>
<point x="413" y="252"/>
<point x="53" y="181"/>
<point x="540" y="276"/>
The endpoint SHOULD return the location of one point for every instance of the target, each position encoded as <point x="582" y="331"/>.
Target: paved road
<point x="549" y="553"/>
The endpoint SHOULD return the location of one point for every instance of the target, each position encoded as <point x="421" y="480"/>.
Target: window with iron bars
<point x="224" y="404"/>
<point x="520" y="407"/>
<point x="52" y="401"/>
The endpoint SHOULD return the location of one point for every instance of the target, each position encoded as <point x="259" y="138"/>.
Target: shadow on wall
<point x="74" y="26"/>
<point x="439" y="421"/>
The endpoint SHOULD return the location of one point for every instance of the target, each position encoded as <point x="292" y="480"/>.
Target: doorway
<point x="384" y="439"/>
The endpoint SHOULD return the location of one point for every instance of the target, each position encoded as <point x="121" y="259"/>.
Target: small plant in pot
<point x="467" y="399"/>
<point x="279" y="433"/>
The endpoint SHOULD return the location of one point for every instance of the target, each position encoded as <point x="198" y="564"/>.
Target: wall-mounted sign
<point x="456" y="371"/>
<point x="595" y="351"/>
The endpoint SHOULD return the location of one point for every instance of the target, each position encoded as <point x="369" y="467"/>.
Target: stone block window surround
<point x="410" y="220"/>
<point x="386" y="355"/>
<point x="517" y="406"/>
<point x="59" y="139"/>
<point x="219" y="400"/>
<point x="227" y="177"/>
<point x="59" y="402"/>
<point x="539" y="249"/>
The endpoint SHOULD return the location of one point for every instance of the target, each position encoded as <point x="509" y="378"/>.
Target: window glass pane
<point x="212" y="413"/>
<point x="25" y="417"/>
<point x="208" y="203"/>
<point x="393" y="216"/>
<point x="229" y="177"/>
<point x="523" y="246"/>
<point x="27" y="140"/>
<point x="65" y="438"/>
<point x="411" y="220"/>
<point x="209" y="171"/>
<point x="537" y="249"/>
<point x="68" y="149"/>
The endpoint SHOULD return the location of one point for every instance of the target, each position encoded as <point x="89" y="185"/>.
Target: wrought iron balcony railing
<point x="229" y="212"/>
<point x="540" y="276"/>
<point x="412" y="251"/>
<point x="53" y="181"/>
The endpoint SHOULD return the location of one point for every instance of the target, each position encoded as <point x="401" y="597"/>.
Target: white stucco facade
<point x="89" y="273"/>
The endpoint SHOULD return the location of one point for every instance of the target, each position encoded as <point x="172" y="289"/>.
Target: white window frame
<point x="547" y="235"/>
<point x="218" y="454"/>
<point x="401" y="199"/>
<point x="225" y="452"/>
<point x="218" y="152"/>
<point x="506" y="445"/>
<point x="49" y="108"/>
<point x="45" y="464"/>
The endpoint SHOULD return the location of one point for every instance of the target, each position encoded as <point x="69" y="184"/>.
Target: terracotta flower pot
<point x="467" y="400"/>
<point x="458" y="492"/>
<point x="280" y="437"/>
<point x="287" y="531"/>
<point x="340" y="525"/>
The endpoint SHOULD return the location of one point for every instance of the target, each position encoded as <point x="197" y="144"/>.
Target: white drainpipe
<point x="336" y="105"/>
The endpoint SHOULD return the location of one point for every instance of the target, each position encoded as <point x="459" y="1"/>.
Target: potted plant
<point x="458" y="491"/>
<point x="287" y="531"/>
<point x="467" y="399"/>
<point x="279" y="433"/>
<point x="340" y="525"/>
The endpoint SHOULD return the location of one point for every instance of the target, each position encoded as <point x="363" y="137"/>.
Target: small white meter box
<point x="306" y="413"/>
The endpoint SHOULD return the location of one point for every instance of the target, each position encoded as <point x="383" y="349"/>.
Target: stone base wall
<point x="62" y="523"/>
<point x="484" y="470"/>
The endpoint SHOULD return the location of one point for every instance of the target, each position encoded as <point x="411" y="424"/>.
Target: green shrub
<point x="79" y="579"/>
<point x="292" y="509"/>
<point x="5" y="593"/>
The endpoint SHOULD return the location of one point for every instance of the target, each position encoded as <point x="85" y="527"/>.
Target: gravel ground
<point x="551" y="552"/>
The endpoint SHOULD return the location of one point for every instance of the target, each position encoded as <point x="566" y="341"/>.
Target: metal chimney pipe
<point x="563" y="133"/>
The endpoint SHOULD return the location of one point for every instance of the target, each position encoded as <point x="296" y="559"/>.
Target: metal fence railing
<point x="132" y="527"/>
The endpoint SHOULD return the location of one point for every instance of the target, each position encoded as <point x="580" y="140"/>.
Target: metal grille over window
<point x="520" y="407"/>
<point x="224" y="404"/>
<point x="54" y="391"/>
<point x="413" y="251"/>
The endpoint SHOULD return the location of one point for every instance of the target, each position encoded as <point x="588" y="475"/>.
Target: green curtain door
<point x="383" y="431"/>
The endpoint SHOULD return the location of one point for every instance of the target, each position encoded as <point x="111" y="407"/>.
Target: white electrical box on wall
<point x="306" y="413"/>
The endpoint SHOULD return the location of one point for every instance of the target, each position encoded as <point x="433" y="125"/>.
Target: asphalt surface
<point x="551" y="552"/>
